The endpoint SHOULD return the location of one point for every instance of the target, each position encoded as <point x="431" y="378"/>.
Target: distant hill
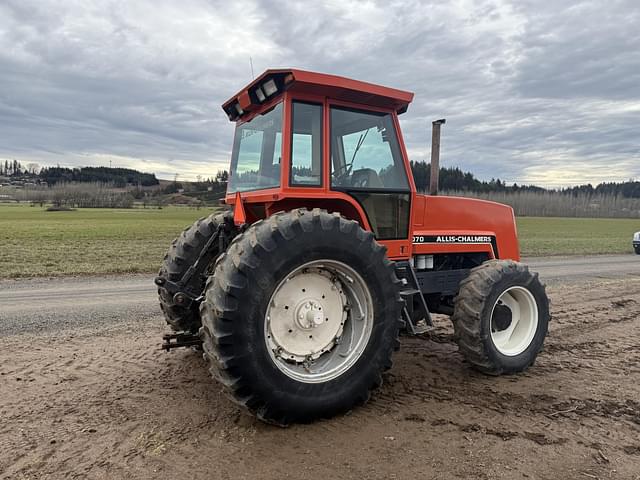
<point x="118" y="177"/>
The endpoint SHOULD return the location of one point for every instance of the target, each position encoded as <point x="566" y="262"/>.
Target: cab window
<point x="366" y="163"/>
<point x="255" y="160"/>
<point x="365" y="153"/>
<point x="306" y="144"/>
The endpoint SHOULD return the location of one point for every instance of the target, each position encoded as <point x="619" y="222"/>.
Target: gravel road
<point x="86" y="393"/>
<point x="50" y="304"/>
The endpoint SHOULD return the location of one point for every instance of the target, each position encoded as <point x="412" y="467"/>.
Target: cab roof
<point x="251" y="97"/>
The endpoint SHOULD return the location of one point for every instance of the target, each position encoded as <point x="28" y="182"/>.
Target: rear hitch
<point x="179" y="340"/>
<point x="180" y="297"/>
<point x="183" y="292"/>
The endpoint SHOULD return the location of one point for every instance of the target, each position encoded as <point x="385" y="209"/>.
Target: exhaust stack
<point x="435" y="156"/>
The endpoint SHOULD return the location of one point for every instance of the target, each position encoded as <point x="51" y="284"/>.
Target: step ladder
<point x="411" y="288"/>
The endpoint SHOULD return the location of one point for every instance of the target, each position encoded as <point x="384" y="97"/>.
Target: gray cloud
<point x="544" y="92"/>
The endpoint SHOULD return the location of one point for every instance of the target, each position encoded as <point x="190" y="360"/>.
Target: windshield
<point x="255" y="160"/>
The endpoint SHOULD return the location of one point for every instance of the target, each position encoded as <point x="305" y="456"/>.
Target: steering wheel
<point x="342" y="177"/>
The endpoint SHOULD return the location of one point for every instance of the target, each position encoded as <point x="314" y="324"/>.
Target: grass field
<point x="575" y="236"/>
<point x="34" y="242"/>
<point x="40" y="243"/>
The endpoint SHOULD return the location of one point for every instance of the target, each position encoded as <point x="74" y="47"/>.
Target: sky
<point x="533" y="92"/>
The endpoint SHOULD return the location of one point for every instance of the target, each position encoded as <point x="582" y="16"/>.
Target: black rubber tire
<point x="472" y="316"/>
<point x="637" y="249"/>
<point x="182" y="254"/>
<point x="233" y="315"/>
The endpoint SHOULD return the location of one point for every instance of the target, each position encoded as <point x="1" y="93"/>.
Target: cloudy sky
<point x="533" y="91"/>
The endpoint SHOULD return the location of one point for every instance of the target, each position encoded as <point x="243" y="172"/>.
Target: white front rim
<point x="514" y="321"/>
<point x="318" y="321"/>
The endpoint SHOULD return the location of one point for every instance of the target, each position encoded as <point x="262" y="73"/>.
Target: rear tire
<point x="251" y="282"/>
<point x="501" y="317"/>
<point x="183" y="253"/>
<point x="637" y="249"/>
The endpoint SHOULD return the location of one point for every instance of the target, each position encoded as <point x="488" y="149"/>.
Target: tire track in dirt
<point x="105" y="403"/>
<point x="567" y="345"/>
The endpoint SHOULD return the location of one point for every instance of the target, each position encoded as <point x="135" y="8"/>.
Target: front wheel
<point x="501" y="317"/>
<point x="637" y="249"/>
<point x="301" y="316"/>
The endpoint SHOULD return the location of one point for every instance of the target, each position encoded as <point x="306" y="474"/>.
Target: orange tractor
<point x="299" y="293"/>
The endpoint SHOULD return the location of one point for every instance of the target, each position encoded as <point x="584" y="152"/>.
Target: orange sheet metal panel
<point x="456" y="216"/>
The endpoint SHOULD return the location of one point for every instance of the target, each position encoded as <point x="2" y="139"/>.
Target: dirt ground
<point x="106" y="403"/>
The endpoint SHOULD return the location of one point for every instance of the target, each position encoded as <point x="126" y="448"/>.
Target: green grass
<point x="575" y="236"/>
<point x="34" y="242"/>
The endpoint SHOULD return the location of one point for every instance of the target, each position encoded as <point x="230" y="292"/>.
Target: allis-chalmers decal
<point x="453" y="239"/>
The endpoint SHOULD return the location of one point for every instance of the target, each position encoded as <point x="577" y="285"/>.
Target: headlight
<point x="260" y="95"/>
<point x="269" y="87"/>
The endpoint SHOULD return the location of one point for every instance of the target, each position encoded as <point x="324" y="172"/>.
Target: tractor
<point x="299" y="291"/>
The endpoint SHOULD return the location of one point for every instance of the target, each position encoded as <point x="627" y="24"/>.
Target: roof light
<point x="238" y="109"/>
<point x="260" y="94"/>
<point x="269" y="87"/>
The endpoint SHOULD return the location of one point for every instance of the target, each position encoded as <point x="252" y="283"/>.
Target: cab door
<point x="367" y="164"/>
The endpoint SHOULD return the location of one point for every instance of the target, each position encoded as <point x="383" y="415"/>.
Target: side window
<point x="365" y="153"/>
<point x="306" y="144"/>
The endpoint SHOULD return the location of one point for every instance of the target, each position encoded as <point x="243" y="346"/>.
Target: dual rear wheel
<point x="302" y="313"/>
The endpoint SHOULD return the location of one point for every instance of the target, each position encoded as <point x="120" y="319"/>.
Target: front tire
<point x="637" y="249"/>
<point x="501" y="317"/>
<point x="293" y="295"/>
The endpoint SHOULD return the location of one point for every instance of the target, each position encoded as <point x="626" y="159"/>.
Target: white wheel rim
<point x="514" y="337"/>
<point x="318" y="321"/>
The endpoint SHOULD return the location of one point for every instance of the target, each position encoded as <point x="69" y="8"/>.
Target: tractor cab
<point x="307" y="139"/>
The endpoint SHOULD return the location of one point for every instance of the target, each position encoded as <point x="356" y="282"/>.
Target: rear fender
<point x="345" y="206"/>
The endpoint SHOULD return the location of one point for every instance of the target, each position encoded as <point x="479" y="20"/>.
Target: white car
<point x="636" y="242"/>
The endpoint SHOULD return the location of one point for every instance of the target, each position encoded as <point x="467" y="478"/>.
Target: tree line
<point x="451" y="179"/>
<point x="118" y="177"/>
<point x="454" y="179"/>
<point x="10" y="168"/>
<point x="558" y="204"/>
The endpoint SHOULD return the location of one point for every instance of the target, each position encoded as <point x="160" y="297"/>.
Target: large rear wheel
<point x="301" y="316"/>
